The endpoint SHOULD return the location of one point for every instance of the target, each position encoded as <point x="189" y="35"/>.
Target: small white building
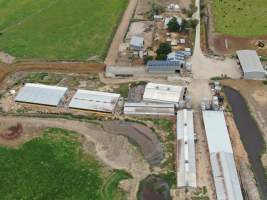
<point x="158" y="18"/>
<point x="162" y="93"/>
<point x="41" y="94"/>
<point x="251" y="65"/>
<point x="95" y="101"/>
<point x="137" y="43"/>
<point x="186" y="159"/>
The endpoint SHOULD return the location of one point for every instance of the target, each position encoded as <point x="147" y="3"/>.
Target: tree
<point x="161" y="57"/>
<point x="164" y="49"/>
<point x="173" y="25"/>
<point x="155" y="9"/>
<point x="193" y="23"/>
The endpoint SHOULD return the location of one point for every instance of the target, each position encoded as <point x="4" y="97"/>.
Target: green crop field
<point x="245" y="18"/>
<point x="55" y="167"/>
<point x="58" y="29"/>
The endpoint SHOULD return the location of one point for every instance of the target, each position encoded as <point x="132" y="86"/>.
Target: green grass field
<point x="245" y="18"/>
<point x="55" y="167"/>
<point x="58" y="29"/>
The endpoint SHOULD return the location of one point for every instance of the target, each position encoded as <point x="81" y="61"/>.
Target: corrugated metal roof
<point x="163" y="63"/>
<point x="94" y="100"/>
<point x="137" y="41"/>
<point x="41" y="94"/>
<point x="250" y="61"/>
<point x="186" y="161"/>
<point x="143" y="108"/>
<point x="162" y="93"/>
<point x="221" y="156"/>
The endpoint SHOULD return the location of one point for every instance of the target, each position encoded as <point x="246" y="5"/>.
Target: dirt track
<point x="6" y="70"/>
<point x="120" y="33"/>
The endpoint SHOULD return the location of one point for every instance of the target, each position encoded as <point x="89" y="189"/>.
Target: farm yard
<point x="58" y="29"/>
<point x="35" y="169"/>
<point x="244" y="18"/>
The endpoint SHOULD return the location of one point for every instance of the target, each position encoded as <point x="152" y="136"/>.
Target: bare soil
<point x="73" y="67"/>
<point x="143" y="136"/>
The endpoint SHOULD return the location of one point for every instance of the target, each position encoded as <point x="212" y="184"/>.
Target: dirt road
<point x="112" y="149"/>
<point x="74" y="67"/>
<point x="120" y="33"/>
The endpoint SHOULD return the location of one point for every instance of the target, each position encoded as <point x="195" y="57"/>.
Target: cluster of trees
<point x="155" y="9"/>
<point x="163" y="50"/>
<point x="190" y="11"/>
<point x="174" y="26"/>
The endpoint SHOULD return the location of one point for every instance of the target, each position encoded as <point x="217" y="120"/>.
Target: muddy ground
<point x="145" y="138"/>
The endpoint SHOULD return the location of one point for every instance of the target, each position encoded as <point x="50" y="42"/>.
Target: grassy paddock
<point x="55" y="167"/>
<point x="245" y="18"/>
<point x="58" y="29"/>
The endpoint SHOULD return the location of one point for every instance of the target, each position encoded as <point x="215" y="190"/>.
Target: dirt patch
<point x="141" y="135"/>
<point x="6" y="58"/>
<point x="12" y="132"/>
<point x="6" y="70"/>
<point x="236" y="43"/>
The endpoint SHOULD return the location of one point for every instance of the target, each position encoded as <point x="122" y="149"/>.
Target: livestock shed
<point x="164" y="67"/>
<point x="223" y="165"/>
<point x="41" y="94"/>
<point x="251" y="65"/>
<point x="95" y="101"/>
<point x="144" y="108"/>
<point x="137" y="43"/>
<point x="162" y="93"/>
<point x="186" y="160"/>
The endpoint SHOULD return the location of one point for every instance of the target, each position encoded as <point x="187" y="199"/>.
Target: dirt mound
<point x="140" y="135"/>
<point x="12" y="132"/>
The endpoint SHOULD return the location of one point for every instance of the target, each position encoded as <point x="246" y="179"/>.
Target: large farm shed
<point x="41" y="94"/>
<point x="186" y="160"/>
<point x="95" y="101"/>
<point x="143" y="108"/>
<point x="162" y="93"/>
<point x="221" y="156"/>
<point x="251" y="64"/>
<point x="164" y="67"/>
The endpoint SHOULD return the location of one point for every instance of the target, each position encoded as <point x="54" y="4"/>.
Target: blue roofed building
<point x="164" y="66"/>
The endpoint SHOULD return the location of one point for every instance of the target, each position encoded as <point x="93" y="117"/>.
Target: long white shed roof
<point x="186" y="161"/>
<point x="94" y="100"/>
<point x="221" y="156"/>
<point x="250" y="61"/>
<point x="41" y="94"/>
<point x="162" y="93"/>
<point x="144" y="108"/>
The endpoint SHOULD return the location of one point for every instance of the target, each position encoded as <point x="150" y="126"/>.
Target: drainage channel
<point x="250" y="135"/>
